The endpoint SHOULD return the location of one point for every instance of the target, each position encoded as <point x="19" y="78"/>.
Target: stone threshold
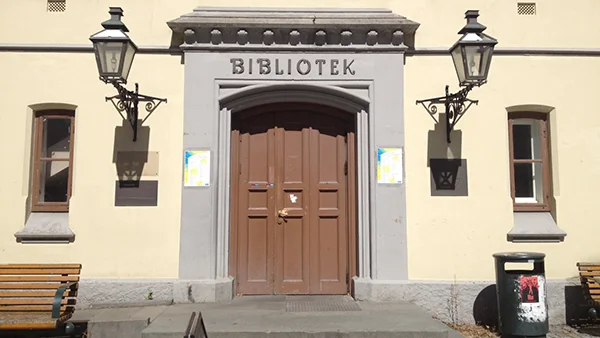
<point x="277" y="316"/>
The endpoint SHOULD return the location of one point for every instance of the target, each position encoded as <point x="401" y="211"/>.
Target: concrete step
<point x="128" y="322"/>
<point x="291" y="317"/>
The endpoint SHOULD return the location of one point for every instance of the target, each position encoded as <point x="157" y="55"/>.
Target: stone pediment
<point x="293" y="29"/>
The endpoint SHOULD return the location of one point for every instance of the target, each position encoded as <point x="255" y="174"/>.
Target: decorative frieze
<point x="346" y="38"/>
<point x="320" y="38"/>
<point x="216" y="37"/>
<point x="294" y="38"/>
<point x="229" y="28"/>
<point x="372" y="38"/>
<point x="242" y="37"/>
<point x="268" y="37"/>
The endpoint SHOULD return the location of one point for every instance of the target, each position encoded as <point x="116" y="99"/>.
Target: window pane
<point x="56" y="138"/>
<point x="529" y="186"/>
<point x="54" y="181"/>
<point x="527" y="140"/>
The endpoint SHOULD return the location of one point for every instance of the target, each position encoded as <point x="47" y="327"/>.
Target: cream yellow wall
<point x="110" y="241"/>
<point x="557" y="23"/>
<point x="464" y="231"/>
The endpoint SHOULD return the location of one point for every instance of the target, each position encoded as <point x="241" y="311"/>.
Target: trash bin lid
<point x="519" y="256"/>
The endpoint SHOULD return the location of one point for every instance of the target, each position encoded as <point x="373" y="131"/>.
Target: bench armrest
<point x="58" y="299"/>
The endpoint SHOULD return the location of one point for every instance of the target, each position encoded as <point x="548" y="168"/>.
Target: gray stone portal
<point x="237" y="58"/>
<point x="350" y="101"/>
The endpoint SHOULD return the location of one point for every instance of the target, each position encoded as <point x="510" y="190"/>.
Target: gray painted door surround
<point x="225" y="76"/>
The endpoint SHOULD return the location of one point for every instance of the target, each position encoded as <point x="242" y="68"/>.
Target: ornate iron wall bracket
<point x="127" y="101"/>
<point x="456" y="105"/>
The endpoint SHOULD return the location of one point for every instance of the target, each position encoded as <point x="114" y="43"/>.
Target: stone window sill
<point x="535" y="227"/>
<point x="46" y="227"/>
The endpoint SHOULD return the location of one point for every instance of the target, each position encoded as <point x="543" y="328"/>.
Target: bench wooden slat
<point x="28" y="291"/>
<point x="591" y="286"/>
<point x="39" y="279"/>
<point x="40" y="266"/>
<point x="30" y="286"/>
<point x="30" y="301"/>
<point x="590" y="268"/>
<point x="589" y="274"/>
<point x="28" y="326"/>
<point x="31" y="294"/>
<point x="37" y="308"/>
<point x="5" y="271"/>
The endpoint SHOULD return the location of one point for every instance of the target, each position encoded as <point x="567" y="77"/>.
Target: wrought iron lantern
<point x="114" y="49"/>
<point x="115" y="52"/>
<point x="472" y="57"/>
<point x="472" y="53"/>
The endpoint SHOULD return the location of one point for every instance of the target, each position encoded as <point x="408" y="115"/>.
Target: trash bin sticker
<point x="530" y="290"/>
<point x="532" y="306"/>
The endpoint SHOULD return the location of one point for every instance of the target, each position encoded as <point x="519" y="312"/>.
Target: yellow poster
<point x="389" y="165"/>
<point x="197" y="168"/>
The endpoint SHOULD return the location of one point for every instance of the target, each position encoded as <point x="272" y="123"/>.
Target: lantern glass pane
<point x="110" y="57"/>
<point x="486" y="58"/>
<point x="458" y="63"/>
<point x="128" y="60"/>
<point x="474" y="62"/>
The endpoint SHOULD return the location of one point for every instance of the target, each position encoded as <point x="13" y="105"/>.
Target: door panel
<point x="256" y="207"/>
<point x="291" y="160"/>
<point x="292" y="231"/>
<point x="329" y="249"/>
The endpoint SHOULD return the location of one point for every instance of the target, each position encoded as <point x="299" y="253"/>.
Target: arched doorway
<point x="293" y="199"/>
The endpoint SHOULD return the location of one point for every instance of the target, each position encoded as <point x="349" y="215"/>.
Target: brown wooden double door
<point x="290" y="225"/>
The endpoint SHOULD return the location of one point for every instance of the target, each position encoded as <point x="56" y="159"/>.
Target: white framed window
<point x="529" y="164"/>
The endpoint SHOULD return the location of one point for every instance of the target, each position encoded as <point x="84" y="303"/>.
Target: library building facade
<point x="197" y="154"/>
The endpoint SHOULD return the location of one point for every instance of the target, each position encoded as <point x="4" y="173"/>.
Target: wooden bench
<point x="38" y="296"/>
<point x="589" y="273"/>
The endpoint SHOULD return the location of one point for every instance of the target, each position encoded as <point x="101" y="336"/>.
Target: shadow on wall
<point x="132" y="161"/>
<point x="130" y="157"/>
<point x="485" y="311"/>
<point x="485" y="308"/>
<point x="448" y="171"/>
<point x="576" y="310"/>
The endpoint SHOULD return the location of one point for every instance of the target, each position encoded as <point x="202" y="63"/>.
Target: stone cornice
<point x="292" y="29"/>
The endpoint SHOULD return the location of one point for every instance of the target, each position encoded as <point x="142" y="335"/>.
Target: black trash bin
<point x="522" y="305"/>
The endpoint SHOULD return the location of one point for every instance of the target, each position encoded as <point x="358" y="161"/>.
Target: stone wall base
<point x="469" y="302"/>
<point x="95" y="293"/>
<point x="450" y="301"/>
<point x="203" y="291"/>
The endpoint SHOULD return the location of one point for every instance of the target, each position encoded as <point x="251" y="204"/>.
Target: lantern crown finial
<point x="472" y="26"/>
<point x="115" y="19"/>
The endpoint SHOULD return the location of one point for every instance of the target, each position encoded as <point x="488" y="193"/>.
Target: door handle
<point x="282" y="214"/>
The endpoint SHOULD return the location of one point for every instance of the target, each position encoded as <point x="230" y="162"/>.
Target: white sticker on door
<point x="293" y="198"/>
